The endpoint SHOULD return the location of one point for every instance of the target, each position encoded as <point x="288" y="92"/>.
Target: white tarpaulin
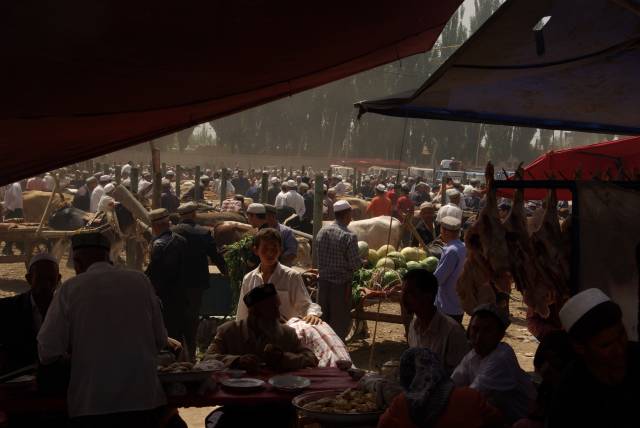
<point x="610" y="245"/>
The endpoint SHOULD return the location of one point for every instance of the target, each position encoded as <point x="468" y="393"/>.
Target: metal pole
<point x="196" y="189"/>
<point x="134" y="180"/>
<point x="178" y="175"/>
<point x="223" y="185"/>
<point x="265" y="187"/>
<point x="318" y="196"/>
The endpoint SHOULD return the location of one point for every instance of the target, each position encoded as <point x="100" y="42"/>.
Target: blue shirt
<point x="289" y="241"/>
<point x="448" y="271"/>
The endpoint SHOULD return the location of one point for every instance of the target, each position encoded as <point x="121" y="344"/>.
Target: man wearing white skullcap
<point x="21" y="316"/>
<point x="380" y="204"/>
<point x="98" y="192"/>
<point x="449" y="268"/>
<point x="291" y="199"/>
<point x="601" y="388"/>
<point x="337" y="259"/>
<point x="452" y="208"/>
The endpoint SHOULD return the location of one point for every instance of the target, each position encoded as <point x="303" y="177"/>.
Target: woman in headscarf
<point x="430" y="399"/>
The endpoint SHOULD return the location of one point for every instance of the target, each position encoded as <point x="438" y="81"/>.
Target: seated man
<point x="430" y="328"/>
<point x="21" y="316"/>
<point x="296" y="308"/>
<point x="492" y="368"/>
<point x="244" y="344"/>
<point x="601" y="387"/>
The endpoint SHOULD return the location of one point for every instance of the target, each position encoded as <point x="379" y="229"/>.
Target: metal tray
<point x="333" y="418"/>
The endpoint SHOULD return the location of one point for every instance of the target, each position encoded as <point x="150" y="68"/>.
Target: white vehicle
<point x="390" y="172"/>
<point x="425" y="174"/>
<point x="456" y="175"/>
<point x="344" y="171"/>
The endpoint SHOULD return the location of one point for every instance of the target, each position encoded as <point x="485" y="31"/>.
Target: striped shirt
<point x="338" y="255"/>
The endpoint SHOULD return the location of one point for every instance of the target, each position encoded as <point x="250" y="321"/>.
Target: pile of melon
<point x="387" y="257"/>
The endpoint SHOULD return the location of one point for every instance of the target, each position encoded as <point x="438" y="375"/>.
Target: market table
<point x="23" y="398"/>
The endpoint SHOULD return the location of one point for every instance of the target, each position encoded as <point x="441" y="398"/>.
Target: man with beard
<point x="260" y="338"/>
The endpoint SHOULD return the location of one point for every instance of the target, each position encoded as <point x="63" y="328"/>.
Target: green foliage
<point x="240" y="261"/>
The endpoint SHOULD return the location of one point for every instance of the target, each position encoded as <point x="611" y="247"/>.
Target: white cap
<point x="274" y="180"/>
<point x="105" y="178"/>
<point x="39" y="257"/>
<point x="256" y="209"/>
<point x="341" y="205"/>
<point x="381" y="188"/>
<point x="452" y="193"/>
<point x="170" y="172"/>
<point x="579" y="305"/>
<point x="109" y="188"/>
<point x="204" y="177"/>
<point x="426" y="205"/>
<point x="338" y="177"/>
<point x="450" y="223"/>
<point x="291" y="184"/>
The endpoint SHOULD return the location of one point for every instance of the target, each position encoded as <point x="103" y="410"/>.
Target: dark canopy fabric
<point x="581" y="75"/>
<point x="608" y="160"/>
<point x="83" y="78"/>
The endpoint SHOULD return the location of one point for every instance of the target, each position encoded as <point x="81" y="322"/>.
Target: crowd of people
<point x="106" y="325"/>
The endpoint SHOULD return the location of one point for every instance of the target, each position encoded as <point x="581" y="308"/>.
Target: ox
<point x="375" y="231"/>
<point x="358" y="207"/>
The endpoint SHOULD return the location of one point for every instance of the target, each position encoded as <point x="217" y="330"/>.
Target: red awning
<point x="80" y="79"/>
<point x="604" y="159"/>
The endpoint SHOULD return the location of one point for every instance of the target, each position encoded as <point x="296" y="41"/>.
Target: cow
<point x="34" y="202"/>
<point x="358" y="207"/>
<point x="375" y="231"/>
<point x="228" y="232"/>
<point x="213" y="218"/>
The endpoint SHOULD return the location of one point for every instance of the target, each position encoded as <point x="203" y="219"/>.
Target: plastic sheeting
<point x="579" y="72"/>
<point x="80" y="79"/>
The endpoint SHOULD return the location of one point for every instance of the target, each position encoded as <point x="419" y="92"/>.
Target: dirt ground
<point x="389" y="342"/>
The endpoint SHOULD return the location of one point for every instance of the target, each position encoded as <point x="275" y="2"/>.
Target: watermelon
<point x="363" y="249"/>
<point x="402" y="272"/>
<point x="398" y="259"/>
<point x="430" y="263"/>
<point x="410" y="254"/>
<point x="413" y="265"/>
<point x="390" y="278"/>
<point x="373" y="257"/>
<point x="384" y="250"/>
<point x="422" y="254"/>
<point x="386" y="262"/>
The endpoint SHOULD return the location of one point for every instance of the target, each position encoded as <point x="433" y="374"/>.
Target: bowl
<point x="343" y="419"/>
<point x="289" y="383"/>
<point x="235" y="373"/>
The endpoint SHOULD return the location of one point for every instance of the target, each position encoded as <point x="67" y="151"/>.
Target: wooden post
<point x="164" y="168"/>
<point x="178" y="172"/>
<point x="223" y="185"/>
<point x="196" y="190"/>
<point x="157" y="190"/>
<point x="265" y="187"/>
<point x="45" y="214"/>
<point x="318" y="197"/>
<point x="97" y="167"/>
<point x="118" y="173"/>
<point x="134" y="180"/>
<point x="282" y="173"/>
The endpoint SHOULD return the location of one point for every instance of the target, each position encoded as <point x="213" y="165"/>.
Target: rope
<point x="375" y="325"/>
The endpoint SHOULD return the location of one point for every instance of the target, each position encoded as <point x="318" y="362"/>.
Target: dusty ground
<point x="389" y="337"/>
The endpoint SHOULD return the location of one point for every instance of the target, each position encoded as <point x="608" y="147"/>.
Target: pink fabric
<point x="322" y="340"/>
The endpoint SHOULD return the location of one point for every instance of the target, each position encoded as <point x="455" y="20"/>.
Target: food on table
<point x="349" y="401"/>
<point x="177" y="367"/>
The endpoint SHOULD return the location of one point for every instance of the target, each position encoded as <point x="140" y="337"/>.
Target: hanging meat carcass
<point x="487" y="253"/>
<point x="551" y="261"/>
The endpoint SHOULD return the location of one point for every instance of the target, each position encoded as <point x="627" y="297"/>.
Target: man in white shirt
<point x="98" y="192"/>
<point x="279" y="203"/>
<point x="492" y="368"/>
<point x="292" y="199"/>
<point x="297" y="308"/>
<point x="340" y="187"/>
<point x="108" y="322"/>
<point x="13" y="201"/>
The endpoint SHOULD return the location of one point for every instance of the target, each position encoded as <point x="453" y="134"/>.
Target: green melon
<point x="430" y="264"/>
<point x="386" y="262"/>
<point x="384" y="250"/>
<point x="410" y="254"/>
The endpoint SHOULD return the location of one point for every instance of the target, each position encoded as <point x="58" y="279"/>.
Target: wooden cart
<point x="28" y="241"/>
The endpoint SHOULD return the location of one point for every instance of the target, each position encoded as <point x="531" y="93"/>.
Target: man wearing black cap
<point x="167" y="272"/>
<point x="109" y="320"/>
<point x="601" y="387"/>
<point x="201" y="248"/>
<point x="492" y="368"/>
<point x="261" y="337"/>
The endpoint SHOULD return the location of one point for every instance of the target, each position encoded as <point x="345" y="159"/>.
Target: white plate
<point x="243" y="384"/>
<point x="289" y="383"/>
